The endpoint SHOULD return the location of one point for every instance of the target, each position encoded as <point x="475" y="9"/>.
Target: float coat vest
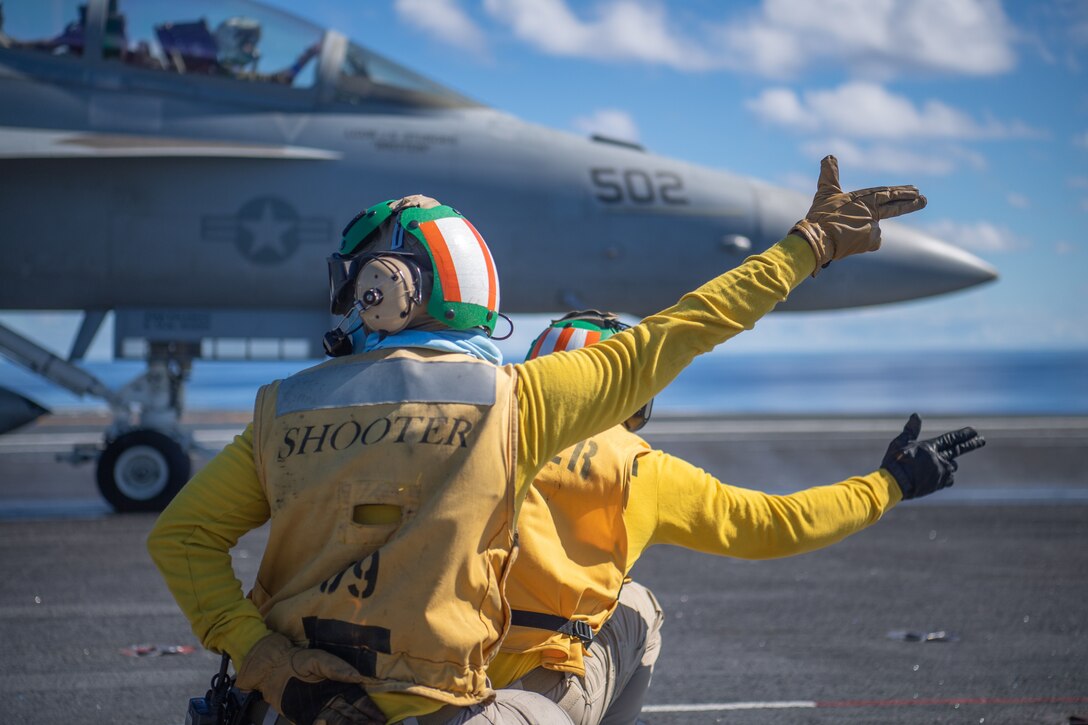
<point x="390" y="478"/>
<point x="572" y="554"/>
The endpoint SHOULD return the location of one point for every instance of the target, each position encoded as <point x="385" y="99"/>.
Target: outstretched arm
<point x="568" y="397"/>
<point x="674" y="502"/>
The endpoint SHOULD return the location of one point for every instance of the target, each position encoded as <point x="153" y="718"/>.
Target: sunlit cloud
<point x="895" y="158"/>
<point x="445" y="21"/>
<point x="881" y="157"/>
<point x="891" y="38"/>
<point x="981" y="236"/>
<point x="621" y="30"/>
<point x="1059" y="32"/>
<point x="864" y="109"/>
<point x="805" y="183"/>
<point x="609" y="122"/>
<point x="779" y="39"/>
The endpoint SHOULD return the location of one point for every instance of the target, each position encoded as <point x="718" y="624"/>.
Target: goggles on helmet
<point x="580" y="329"/>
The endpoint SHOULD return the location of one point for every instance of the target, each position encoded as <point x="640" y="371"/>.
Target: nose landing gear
<point x="142" y="470"/>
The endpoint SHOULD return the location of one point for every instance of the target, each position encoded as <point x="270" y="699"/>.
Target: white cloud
<point x="610" y="122"/>
<point x="781" y="38"/>
<point x="804" y="183"/>
<point x="1081" y="140"/>
<point x="782" y="106"/>
<point x="1064" y="249"/>
<point x="444" y="20"/>
<point x="881" y="157"/>
<point x="885" y="157"/>
<point x="978" y="236"/>
<point x="1017" y="201"/>
<point x="864" y="109"/>
<point x="620" y="30"/>
<point x="873" y="38"/>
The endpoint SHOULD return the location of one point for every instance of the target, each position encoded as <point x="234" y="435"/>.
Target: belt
<point x="538" y="620"/>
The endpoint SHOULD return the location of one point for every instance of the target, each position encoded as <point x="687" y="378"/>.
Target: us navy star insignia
<point x="266" y="230"/>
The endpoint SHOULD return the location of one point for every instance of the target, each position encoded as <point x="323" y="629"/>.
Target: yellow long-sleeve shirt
<point x="671" y="501"/>
<point x="562" y="399"/>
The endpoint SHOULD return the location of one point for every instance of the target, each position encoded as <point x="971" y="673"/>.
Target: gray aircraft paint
<point x="130" y="188"/>
<point x="198" y="201"/>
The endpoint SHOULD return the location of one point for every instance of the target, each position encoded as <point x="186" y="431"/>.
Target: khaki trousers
<point x="510" y="707"/>
<point x="619" y="671"/>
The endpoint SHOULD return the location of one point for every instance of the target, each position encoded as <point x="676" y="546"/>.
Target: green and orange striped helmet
<point x="458" y="269"/>
<point x="581" y="329"/>
<point x="575" y="330"/>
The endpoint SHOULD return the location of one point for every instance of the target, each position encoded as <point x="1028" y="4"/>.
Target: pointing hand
<point x="922" y="467"/>
<point x="843" y="223"/>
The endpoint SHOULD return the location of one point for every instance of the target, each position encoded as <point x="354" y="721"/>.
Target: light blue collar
<point x="466" y="342"/>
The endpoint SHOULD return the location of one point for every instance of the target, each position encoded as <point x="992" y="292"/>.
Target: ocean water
<point x="821" y="383"/>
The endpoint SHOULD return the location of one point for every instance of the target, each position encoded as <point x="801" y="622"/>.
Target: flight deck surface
<point x="998" y="564"/>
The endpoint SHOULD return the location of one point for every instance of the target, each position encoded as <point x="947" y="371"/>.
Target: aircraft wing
<point x="28" y="143"/>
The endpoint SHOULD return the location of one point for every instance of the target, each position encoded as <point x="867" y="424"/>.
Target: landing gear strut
<point x="145" y="459"/>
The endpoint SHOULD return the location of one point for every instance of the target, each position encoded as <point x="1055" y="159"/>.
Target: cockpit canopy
<point x="237" y="40"/>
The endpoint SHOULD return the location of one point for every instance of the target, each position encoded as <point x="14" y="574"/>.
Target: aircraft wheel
<point x="142" y="470"/>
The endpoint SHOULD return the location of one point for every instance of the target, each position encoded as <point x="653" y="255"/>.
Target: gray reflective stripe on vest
<point x="387" y="381"/>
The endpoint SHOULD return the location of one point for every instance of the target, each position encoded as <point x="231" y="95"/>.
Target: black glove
<point x="922" y="467"/>
<point x="351" y="707"/>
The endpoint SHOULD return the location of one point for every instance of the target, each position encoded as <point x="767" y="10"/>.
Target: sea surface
<point x="820" y="383"/>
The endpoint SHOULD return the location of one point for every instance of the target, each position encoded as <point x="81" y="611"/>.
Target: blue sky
<point x="982" y="105"/>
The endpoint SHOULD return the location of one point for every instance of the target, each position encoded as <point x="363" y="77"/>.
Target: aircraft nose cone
<point x="909" y="264"/>
<point x="947" y="267"/>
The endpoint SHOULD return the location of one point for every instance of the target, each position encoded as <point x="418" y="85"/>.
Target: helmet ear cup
<point x="390" y="290"/>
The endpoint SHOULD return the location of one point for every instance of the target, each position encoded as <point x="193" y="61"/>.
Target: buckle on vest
<point x="539" y="620"/>
<point x="582" y="631"/>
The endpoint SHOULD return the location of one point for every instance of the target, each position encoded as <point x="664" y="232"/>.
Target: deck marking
<point x="813" y="704"/>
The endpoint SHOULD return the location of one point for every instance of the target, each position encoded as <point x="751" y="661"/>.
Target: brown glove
<point x="302" y="683"/>
<point x="423" y="202"/>
<point x="840" y="224"/>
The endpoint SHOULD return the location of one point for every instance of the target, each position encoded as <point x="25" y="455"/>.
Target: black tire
<point x="142" y="470"/>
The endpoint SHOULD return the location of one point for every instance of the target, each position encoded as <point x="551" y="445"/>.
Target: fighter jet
<point x="188" y="166"/>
